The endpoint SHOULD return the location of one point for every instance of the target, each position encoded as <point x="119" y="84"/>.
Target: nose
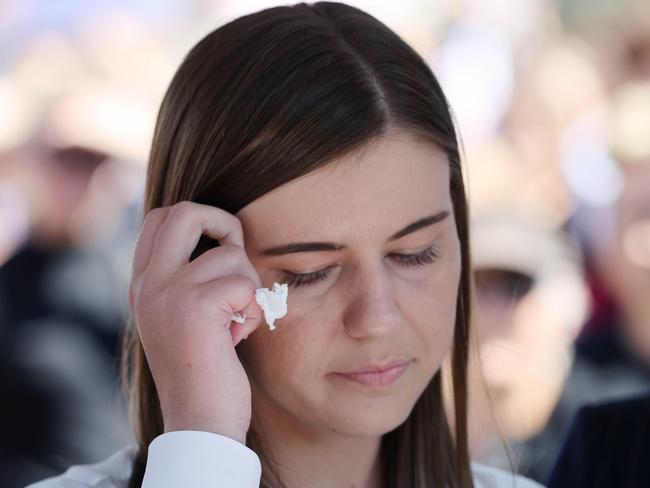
<point x="372" y="308"/>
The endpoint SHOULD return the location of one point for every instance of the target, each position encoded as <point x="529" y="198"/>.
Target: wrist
<point x="237" y="433"/>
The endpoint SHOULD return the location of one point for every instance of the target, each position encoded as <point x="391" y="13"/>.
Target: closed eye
<point x="297" y="280"/>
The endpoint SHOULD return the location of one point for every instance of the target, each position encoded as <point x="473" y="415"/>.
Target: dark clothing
<point x="61" y="315"/>
<point x="608" y="445"/>
<point x="605" y="350"/>
<point x="72" y="285"/>
<point x="602" y="370"/>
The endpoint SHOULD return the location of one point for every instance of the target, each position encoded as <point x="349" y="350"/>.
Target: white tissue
<point x="239" y="318"/>
<point x="273" y="303"/>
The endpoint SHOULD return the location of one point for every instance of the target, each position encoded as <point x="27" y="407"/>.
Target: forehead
<point x="394" y="181"/>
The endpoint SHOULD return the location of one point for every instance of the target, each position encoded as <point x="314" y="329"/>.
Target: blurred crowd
<point x="552" y="100"/>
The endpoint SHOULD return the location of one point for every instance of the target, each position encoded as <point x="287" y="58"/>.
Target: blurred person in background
<point x="531" y="301"/>
<point x="606" y="163"/>
<point x="613" y="221"/>
<point x="609" y="361"/>
<point x="14" y="211"/>
<point x="62" y="289"/>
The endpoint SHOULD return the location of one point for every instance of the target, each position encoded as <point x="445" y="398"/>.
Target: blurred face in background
<point x="56" y="180"/>
<point x="524" y="354"/>
<point x="381" y="297"/>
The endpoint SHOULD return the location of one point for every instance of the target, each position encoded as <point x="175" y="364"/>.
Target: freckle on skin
<point x="189" y="365"/>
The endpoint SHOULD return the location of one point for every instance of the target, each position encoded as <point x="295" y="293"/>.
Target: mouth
<point x="377" y="377"/>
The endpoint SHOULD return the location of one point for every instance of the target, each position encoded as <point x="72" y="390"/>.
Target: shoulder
<point x="112" y="472"/>
<point x="489" y="477"/>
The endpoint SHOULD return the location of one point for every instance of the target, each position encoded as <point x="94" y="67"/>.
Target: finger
<point x="182" y="229"/>
<point x="254" y="319"/>
<point x="237" y="294"/>
<point x="144" y="247"/>
<point x="221" y="261"/>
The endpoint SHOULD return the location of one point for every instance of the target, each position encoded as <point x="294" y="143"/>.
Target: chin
<point x="367" y="420"/>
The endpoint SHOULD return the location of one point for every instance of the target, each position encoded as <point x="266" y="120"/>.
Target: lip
<point x="378" y="376"/>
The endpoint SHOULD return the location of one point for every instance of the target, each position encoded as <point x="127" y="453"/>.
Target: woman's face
<point x="365" y="303"/>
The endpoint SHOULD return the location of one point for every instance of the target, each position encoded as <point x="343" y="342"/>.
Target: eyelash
<point x="297" y="280"/>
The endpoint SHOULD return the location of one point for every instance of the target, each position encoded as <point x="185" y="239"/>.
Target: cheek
<point x="435" y="316"/>
<point x="431" y="306"/>
<point x="291" y="353"/>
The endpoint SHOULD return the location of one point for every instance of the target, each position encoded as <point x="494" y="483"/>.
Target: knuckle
<point x="236" y="223"/>
<point x="182" y="208"/>
<point x="153" y="213"/>
<point x="243" y="283"/>
<point x="149" y="218"/>
<point x="233" y="250"/>
<point x="238" y="288"/>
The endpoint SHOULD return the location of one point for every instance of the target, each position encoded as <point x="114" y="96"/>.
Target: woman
<point x="317" y="148"/>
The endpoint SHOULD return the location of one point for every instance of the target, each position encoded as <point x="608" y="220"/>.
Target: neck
<point x="308" y="455"/>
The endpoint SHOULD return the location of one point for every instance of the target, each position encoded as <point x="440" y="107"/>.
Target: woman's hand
<point x="183" y="314"/>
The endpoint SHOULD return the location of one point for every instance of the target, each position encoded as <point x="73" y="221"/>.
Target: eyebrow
<point x="330" y="246"/>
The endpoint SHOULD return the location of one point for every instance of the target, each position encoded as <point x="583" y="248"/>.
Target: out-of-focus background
<point x="552" y="98"/>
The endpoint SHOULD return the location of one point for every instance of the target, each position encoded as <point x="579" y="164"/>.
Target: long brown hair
<point x="270" y="97"/>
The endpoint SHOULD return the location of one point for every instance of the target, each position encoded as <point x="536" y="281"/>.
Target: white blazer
<point x="205" y="460"/>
